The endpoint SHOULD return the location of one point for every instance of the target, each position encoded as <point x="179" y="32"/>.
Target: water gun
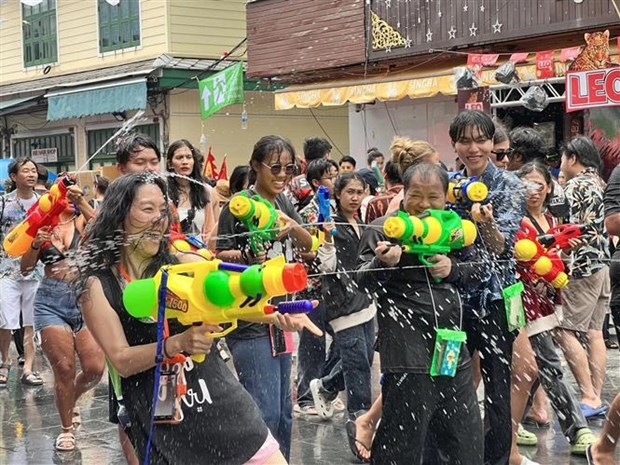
<point x="538" y="261"/>
<point x="259" y="216"/>
<point x="464" y="191"/>
<point x="216" y="292"/>
<point x="45" y="212"/>
<point x="325" y="208"/>
<point x="180" y="242"/>
<point x="434" y="232"/>
<point x="558" y="236"/>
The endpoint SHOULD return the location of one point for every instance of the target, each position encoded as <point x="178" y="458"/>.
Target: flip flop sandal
<point x="65" y="442"/>
<point x="77" y="419"/>
<point x="590" y="412"/>
<point x="589" y="457"/>
<point x="353" y="442"/>
<point x="4" y="375"/>
<point x="31" y="379"/>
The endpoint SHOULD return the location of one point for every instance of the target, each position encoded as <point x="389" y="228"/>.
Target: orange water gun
<point x="45" y="212"/>
<point x="538" y="261"/>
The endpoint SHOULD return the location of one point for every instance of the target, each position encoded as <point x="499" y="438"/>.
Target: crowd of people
<point x="442" y="322"/>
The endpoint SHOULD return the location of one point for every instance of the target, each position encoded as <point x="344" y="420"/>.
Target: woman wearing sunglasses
<point x="501" y="147"/>
<point x="261" y="356"/>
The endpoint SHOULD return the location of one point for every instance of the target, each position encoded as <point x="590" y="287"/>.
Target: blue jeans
<point x="356" y="348"/>
<point x="311" y="361"/>
<point x="268" y="380"/>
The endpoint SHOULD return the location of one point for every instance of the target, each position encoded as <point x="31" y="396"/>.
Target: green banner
<point x="221" y="89"/>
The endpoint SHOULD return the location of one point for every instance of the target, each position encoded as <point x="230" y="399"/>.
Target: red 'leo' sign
<point x="591" y="89"/>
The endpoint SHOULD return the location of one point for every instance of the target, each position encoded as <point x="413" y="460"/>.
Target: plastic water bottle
<point x="244" y="119"/>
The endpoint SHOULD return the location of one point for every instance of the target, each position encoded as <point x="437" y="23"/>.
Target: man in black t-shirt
<point x="612" y="224"/>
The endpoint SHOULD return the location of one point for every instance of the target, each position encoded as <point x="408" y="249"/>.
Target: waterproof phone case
<point x="448" y="343"/>
<point x="166" y="408"/>
<point x="513" y="302"/>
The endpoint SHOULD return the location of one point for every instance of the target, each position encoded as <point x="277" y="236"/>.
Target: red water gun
<point x="559" y="235"/>
<point x="45" y="212"/>
<point x="538" y="261"/>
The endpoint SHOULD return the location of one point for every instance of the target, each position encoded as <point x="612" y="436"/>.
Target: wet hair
<point x="316" y="169"/>
<point x="238" y="178"/>
<point x="102" y="247"/>
<point x="343" y="181"/>
<point x="471" y="119"/>
<point x="528" y="143"/>
<point x="347" y="159"/>
<point x="392" y="173"/>
<point x="101" y="184"/>
<point x="584" y="150"/>
<point x="198" y="195"/>
<point x="16" y="164"/>
<point x="501" y="133"/>
<point x="134" y="144"/>
<point x="406" y="152"/>
<point x="315" y="148"/>
<point x="267" y="146"/>
<point x="425" y="172"/>
<point x="372" y="154"/>
<point x="540" y="168"/>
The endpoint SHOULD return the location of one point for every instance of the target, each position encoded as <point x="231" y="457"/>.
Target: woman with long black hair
<point x="191" y="195"/>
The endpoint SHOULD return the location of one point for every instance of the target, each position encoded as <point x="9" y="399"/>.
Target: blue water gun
<point x="325" y="208"/>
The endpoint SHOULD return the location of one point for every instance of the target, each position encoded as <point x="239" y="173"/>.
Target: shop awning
<point x="412" y="86"/>
<point x="9" y="106"/>
<point x="97" y="99"/>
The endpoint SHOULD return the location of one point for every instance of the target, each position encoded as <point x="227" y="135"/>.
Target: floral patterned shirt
<point x="585" y="194"/>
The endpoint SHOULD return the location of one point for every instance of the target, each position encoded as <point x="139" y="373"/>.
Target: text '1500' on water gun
<point x="259" y="216"/>
<point x="216" y="292"/>
<point x="434" y="232"/>
<point x="464" y="191"/>
<point x="45" y="212"/>
<point x="538" y="261"/>
<point x="559" y="235"/>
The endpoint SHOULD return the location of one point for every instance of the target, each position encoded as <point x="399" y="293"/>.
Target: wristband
<point x="166" y="355"/>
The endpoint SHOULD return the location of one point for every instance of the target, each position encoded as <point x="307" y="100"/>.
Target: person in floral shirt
<point x="586" y="296"/>
<point x="311" y="362"/>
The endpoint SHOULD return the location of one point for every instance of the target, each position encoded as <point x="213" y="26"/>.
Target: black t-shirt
<point x="221" y="424"/>
<point x="232" y="235"/>
<point x="612" y="206"/>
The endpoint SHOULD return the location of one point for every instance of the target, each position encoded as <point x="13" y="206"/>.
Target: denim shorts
<point x="56" y="305"/>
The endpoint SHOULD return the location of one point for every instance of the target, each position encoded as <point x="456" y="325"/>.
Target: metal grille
<point x="96" y="138"/>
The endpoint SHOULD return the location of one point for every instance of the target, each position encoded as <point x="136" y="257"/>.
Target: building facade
<point x="72" y="73"/>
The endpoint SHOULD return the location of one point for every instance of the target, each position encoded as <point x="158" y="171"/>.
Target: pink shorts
<point x="266" y="451"/>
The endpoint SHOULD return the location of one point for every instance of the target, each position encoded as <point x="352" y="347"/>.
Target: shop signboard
<point x="592" y="89"/>
<point x="44" y="155"/>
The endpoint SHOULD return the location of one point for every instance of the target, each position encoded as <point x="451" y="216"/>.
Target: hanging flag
<point x="477" y="59"/>
<point x="223" y="174"/>
<point x="519" y="57"/>
<point x="221" y="89"/>
<point x="545" y="67"/>
<point x="210" y="170"/>
<point x="569" y="53"/>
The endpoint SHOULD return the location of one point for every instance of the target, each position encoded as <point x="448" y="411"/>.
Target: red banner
<point x="519" y="57"/>
<point x="569" y="53"/>
<point x="545" y="68"/>
<point x="476" y="59"/>
<point x="592" y="89"/>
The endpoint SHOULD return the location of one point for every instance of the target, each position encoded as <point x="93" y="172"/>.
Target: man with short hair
<point x="137" y="154"/>
<point x="485" y="322"/>
<point x="298" y="191"/>
<point x="585" y="298"/>
<point x="17" y="291"/>
<point x="347" y="164"/>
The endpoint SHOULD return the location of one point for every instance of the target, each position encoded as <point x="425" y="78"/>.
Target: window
<point x="119" y="25"/>
<point x="39" y="33"/>
<point x="95" y="138"/>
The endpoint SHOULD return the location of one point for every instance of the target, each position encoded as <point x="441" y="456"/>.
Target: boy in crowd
<point x="298" y="191"/>
<point x="347" y="164"/>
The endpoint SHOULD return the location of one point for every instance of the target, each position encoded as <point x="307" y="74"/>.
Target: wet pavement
<point x="29" y="425"/>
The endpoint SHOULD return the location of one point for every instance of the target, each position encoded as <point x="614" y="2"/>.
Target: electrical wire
<point x="325" y="132"/>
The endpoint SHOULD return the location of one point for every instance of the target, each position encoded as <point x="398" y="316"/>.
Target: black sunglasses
<point x="276" y="168"/>
<point x="501" y="154"/>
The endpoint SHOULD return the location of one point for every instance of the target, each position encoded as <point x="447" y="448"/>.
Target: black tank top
<point x="221" y="424"/>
